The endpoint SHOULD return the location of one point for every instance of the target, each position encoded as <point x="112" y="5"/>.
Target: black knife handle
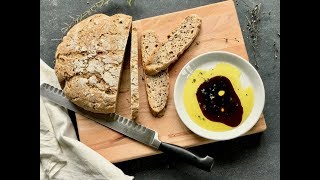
<point x="205" y="163"/>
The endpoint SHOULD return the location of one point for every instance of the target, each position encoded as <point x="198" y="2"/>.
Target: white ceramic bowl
<point x="249" y="76"/>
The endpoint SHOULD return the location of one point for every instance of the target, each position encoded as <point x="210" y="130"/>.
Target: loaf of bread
<point x="89" y="61"/>
<point x="134" y="75"/>
<point x="177" y="42"/>
<point x="157" y="86"/>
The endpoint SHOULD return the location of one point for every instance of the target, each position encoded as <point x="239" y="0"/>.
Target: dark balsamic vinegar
<point x="219" y="102"/>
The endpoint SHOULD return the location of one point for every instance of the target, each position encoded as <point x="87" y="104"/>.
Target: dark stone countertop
<point x="251" y="157"/>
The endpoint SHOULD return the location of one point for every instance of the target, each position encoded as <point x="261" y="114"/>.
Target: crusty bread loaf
<point x="89" y="61"/>
<point x="177" y="42"/>
<point x="134" y="75"/>
<point x="157" y="86"/>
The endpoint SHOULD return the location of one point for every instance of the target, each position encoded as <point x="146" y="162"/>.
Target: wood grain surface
<point x="219" y="22"/>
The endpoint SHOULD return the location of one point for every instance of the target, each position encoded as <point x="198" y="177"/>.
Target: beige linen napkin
<point x="62" y="156"/>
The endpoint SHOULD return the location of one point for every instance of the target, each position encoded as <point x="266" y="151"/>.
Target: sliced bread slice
<point x="177" y="42"/>
<point x="89" y="61"/>
<point x="157" y="86"/>
<point x="134" y="75"/>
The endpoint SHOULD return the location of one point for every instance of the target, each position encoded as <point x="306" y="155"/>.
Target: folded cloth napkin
<point x="62" y="156"/>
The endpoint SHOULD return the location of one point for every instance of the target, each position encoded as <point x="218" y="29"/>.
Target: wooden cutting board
<point x="219" y="21"/>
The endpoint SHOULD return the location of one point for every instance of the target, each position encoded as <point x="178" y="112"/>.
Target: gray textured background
<point x="252" y="157"/>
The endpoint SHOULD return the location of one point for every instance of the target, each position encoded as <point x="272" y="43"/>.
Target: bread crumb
<point x="79" y="66"/>
<point x="109" y="79"/>
<point x="95" y="66"/>
<point x="83" y="81"/>
<point x="93" y="80"/>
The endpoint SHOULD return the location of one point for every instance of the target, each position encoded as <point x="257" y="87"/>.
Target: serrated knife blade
<point x="128" y="128"/>
<point x="113" y="121"/>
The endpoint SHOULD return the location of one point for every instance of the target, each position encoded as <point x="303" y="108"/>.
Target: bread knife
<point x="128" y="128"/>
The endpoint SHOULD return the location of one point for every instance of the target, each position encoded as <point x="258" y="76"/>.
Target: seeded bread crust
<point x="157" y="86"/>
<point x="177" y="42"/>
<point x="134" y="75"/>
<point x="89" y="61"/>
